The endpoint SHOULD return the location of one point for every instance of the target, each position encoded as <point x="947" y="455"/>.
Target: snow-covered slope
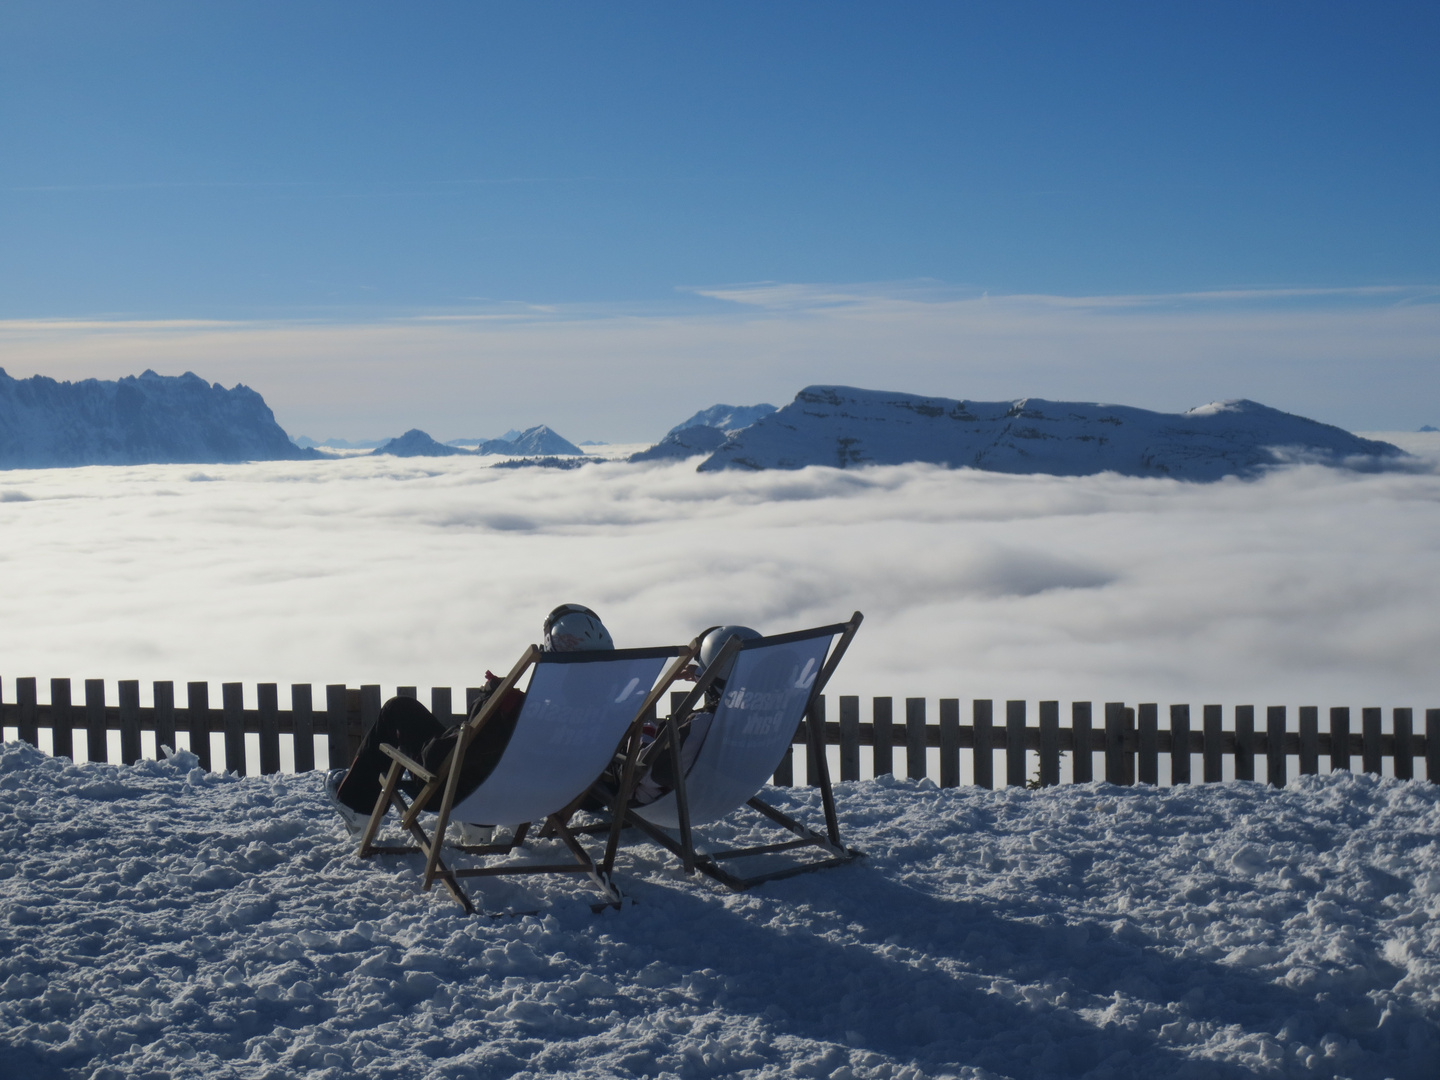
<point x="684" y="442"/>
<point x="158" y="919"/>
<point x="535" y="441"/>
<point x="728" y="418"/>
<point x="416" y="443"/>
<point x="845" y="427"/>
<point x="135" y="420"/>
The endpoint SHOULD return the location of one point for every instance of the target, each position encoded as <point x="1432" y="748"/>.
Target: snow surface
<point x="727" y="418"/>
<point x="160" y="920"/>
<point x="845" y="427"/>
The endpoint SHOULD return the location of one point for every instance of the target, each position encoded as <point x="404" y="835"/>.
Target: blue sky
<point x="360" y="163"/>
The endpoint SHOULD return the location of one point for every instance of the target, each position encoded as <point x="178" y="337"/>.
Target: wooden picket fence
<point x="1129" y="737"/>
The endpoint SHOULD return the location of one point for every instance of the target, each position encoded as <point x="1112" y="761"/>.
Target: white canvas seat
<point x="768" y="691"/>
<point x="578" y="709"/>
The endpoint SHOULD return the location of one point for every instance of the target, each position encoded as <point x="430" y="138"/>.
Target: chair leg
<point x="382" y="807"/>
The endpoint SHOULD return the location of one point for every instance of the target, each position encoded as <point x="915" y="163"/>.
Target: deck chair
<point x="772" y="685"/>
<point x="579" y="708"/>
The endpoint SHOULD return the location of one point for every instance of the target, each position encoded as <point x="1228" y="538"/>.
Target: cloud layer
<point x="1311" y="586"/>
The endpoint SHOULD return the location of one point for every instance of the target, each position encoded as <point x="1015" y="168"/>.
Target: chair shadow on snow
<point x="846" y="989"/>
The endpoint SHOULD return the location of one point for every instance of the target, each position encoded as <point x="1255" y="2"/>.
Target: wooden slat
<point x="883" y="716"/>
<point x="1309" y="740"/>
<point x="1082" y="768"/>
<point x="915" y="738"/>
<point x="949" y="736"/>
<point x="1275" y="724"/>
<point x="337" y="741"/>
<point x="1147" y="761"/>
<point x="1049" y="743"/>
<point x="1244" y="742"/>
<point x="1371" y="753"/>
<point x="1213" y="721"/>
<point x="849" y="737"/>
<point x="1114" y="742"/>
<point x="1404" y="722"/>
<point x="96" y="744"/>
<point x="130" y="750"/>
<point x="302" y="713"/>
<point x="1015" y="744"/>
<point x="408" y="691"/>
<point x="164" y="719"/>
<point x="440" y="706"/>
<point x="267" y="699"/>
<point x="232" y="698"/>
<point x="357" y="707"/>
<point x="29" y="720"/>
<point x="1339" y="738"/>
<point x="983" y="711"/>
<point x="1432" y="745"/>
<point x="785" y="771"/>
<point x="1179" y="744"/>
<point x="197" y="715"/>
<point x="814" y="715"/>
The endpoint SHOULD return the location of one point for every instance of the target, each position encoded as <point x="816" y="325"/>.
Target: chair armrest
<point x="411" y="765"/>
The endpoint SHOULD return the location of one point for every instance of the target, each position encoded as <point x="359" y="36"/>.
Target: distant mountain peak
<point x="728" y="418"/>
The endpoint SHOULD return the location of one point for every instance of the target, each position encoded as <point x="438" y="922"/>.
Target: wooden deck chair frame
<point x="683" y="845"/>
<point x="447" y="777"/>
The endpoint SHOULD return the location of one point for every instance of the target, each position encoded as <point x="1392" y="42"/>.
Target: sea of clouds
<point x="1309" y="586"/>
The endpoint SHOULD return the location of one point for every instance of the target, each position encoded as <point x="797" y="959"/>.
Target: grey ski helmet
<point x="575" y="628"/>
<point x="714" y="641"/>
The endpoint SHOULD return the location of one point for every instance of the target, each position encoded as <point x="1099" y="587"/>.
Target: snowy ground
<point x="158" y="920"/>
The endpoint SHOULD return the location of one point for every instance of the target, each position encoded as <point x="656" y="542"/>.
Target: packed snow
<point x="158" y="920"/>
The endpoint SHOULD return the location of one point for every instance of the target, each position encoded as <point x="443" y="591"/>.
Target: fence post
<point x="984" y="720"/>
<point x="1049" y="743"/>
<point x="96" y="748"/>
<point x="267" y="703"/>
<point x="1179" y="744"/>
<point x="1404" y="753"/>
<point x="1370" y="746"/>
<point x="129" y="721"/>
<point x="1309" y="740"/>
<point x="440" y="705"/>
<point x="1082" y="770"/>
<point x="849" y="737"/>
<point x="1114" y="742"/>
<point x="1244" y="742"/>
<point x="949" y="742"/>
<point x="785" y="771"/>
<point x="1339" y="738"/>
<point x="62" y="739"/>
<point x="815" y="715"/>
<point x="29" y="710"/>
<point x="1147" y="765"/>
<point x="408" y="691"/>
<point x="302" y="723"/>
<point x="197" y="712"/>
<point x="337" y="742"/>
<point x="1015" y="744"/>
<point x="232" y="700"/>
<point x="1275" y="724"/>
<point x="1214" y="749"/>
<point x="881" y="711"/>
<point x="915" y="738"/>
<point x="164" y="694"/>
<point x="1432" y="745"/>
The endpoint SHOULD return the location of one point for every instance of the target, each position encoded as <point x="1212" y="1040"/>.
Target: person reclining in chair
<point x="410" y="727"/>
<point x="657" y="771"/>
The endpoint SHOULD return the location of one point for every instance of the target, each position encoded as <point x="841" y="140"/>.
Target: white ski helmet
<point x="575" y="628"/>
<point x="715" y="640"/>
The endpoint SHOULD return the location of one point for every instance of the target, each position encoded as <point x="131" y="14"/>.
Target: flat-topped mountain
<point x="136" y="420"/>
<point x="846" y="427"/>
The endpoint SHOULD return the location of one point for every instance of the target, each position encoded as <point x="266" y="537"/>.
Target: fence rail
<point x="1129" y="737"/>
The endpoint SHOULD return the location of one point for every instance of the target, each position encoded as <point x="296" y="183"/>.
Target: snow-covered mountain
<point x="415" y="443"/>
<point x="135" y="420"/>
<point x="684" y="442"/>
<point x="846" y="427"/>
<point x="728" y="418"/>
<point x="535" y="441"/>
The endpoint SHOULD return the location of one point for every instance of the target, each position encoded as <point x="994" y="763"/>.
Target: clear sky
<point x="352" y="170"/>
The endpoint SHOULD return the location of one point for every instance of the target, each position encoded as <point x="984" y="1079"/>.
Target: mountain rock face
<point x="136" y="420"/>
<point x="728" y="418"/>
<point x="845" y="427"/>
<point x="415" y="443"/>
<point x="684" y="442"/>
<point x="532" y="442"/>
